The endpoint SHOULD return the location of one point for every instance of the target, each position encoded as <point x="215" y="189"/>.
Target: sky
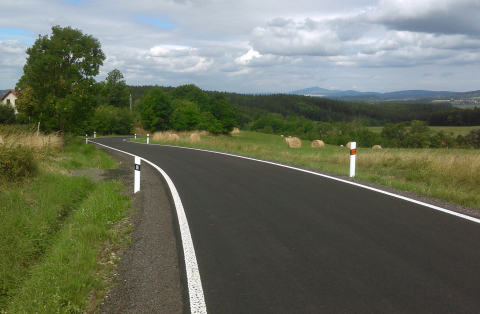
<point x="251" y="46"/>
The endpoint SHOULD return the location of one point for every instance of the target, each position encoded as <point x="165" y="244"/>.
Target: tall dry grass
<point x="22" y="152"/>
<point x="32" y="139"/>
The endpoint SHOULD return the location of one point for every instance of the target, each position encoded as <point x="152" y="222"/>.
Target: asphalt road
<point x="269" y="239"/>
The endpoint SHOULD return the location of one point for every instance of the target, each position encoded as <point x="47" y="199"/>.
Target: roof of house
<point x="14" y="92"/>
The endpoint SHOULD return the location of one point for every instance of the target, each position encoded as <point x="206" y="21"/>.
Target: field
<point x="457" y="130"/>
<point x="448" y="174"/>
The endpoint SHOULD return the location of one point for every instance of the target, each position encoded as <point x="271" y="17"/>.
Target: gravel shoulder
<point x="148" y="276"/>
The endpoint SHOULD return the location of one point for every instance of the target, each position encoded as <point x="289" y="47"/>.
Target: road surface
<point x="270" y="239"/>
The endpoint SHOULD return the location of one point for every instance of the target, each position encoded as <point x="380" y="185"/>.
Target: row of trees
<point x="186" y="107"/>
<point x="457" y="117"/>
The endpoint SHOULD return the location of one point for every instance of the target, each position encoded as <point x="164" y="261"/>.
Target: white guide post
<point x="135" y="135"/>
<point x="95" y="134"/>
<point x="86" y="138"/>
<point x="136" y="185"/>
<point x="353" y="152"/>
<point x="148" y="138"/>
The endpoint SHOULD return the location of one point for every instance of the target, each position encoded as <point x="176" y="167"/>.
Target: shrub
<point x="17" y="162"/>
<point x="7" y="114"/>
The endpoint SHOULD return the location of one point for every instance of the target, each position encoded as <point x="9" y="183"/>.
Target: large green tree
<point x="115" y="89"/>
<point x="156" y="110"/>
<point x="58" y="86"/>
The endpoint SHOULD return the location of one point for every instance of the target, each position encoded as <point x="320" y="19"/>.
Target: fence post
<point x="136" y="185"/>
<point x="95" y="134"/>
<point x="135" y="135"/>
<point x="353" y="152"/>
<point x="86" y="138"/>
<point x="148" y="138"/>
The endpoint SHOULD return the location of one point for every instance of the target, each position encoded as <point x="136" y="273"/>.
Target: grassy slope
<point x="451" y="175"/>
<point x="54" y="232"/>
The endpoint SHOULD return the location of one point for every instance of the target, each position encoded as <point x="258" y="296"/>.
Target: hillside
<point x="351" y="95"/>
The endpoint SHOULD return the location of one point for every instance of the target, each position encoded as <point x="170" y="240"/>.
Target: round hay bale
<point x="195" y="138"/>
<point x="341" y="145"/>
<point x="281" y="135"/>
<point x="318" y="143"/>
<point x="349" y="144"/>
<point x="377" y="147"/>
<point x="285" y="139"/>
<point x="235" y="131"/>
<point x="294" y="142"/>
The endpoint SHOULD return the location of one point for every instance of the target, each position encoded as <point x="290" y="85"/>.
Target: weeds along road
<point x="269" y="239"/>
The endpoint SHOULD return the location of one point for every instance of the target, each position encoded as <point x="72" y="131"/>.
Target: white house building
<point x="9" y="98"/>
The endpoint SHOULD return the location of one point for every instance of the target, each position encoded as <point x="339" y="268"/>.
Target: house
<point x="9" y="98"/>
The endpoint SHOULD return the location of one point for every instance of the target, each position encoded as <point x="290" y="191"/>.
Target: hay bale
<point x="349" y="144"/>
<point x="294" y="142"/>
<point x="377" y="147"/>
<point x="318" y="143"/>
<point x="285" y="139"/>
<point x="235" y="131"/>
<point x="341" y="145"/>
<point x="195" y="138"/>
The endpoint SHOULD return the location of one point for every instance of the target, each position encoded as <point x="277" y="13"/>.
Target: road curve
<point x="269" y="239"/>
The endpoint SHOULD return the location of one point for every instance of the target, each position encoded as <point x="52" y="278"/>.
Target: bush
<point x="7" y="114"/>
<point x="17" y="162"/>
<point x="111" y="120"/>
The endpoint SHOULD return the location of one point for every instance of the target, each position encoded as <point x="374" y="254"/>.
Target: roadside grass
<point x="59" y="234"/>
<point x="449" y="174"/>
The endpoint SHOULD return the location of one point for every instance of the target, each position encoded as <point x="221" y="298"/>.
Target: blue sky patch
<point x="16" y="34"/>
<point x="13" y="32"/>
<point x="155" y="22"/>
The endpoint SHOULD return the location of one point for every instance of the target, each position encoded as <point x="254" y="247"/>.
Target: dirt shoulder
<point x="148" y="276"/>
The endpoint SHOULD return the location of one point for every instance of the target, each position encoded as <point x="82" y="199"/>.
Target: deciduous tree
<point x="58" y="84"/>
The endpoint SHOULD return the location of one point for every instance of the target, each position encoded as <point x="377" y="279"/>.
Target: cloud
<point x="287" y="37"/>
<point x="428" y="16"/>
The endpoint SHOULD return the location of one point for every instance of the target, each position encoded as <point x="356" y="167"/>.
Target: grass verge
<point x="59" y="235"/>
<point x="452" y="175"/>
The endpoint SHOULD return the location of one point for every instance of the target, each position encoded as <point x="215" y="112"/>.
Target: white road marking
<point x="337" y="179"/>
<point x="195" y="290"/>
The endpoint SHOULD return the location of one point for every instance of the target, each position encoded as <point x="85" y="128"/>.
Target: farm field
<point x="457" y="130"/>
<point x="449" y="174"/>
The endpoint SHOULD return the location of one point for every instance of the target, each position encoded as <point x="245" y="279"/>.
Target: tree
<point x="191" y="93"/>
<point x="219" y="107"/>
<point x="115" y="89"/>
<point x="186" y="115"/>
<point x="58" y="84"/>
<point x="155" y="110"/>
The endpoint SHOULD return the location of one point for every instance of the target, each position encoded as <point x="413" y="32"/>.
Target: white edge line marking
<point x="333" y="178"/>
<point x="195" y="290"/>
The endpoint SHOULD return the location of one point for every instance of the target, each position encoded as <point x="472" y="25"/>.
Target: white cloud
<point x="287" y="37"/>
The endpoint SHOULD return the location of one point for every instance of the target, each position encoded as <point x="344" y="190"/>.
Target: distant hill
<point x="351" y="95"/>
<point x="466" y="95"/>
